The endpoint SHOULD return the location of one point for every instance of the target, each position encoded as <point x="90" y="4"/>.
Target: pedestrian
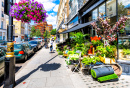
<point x="51" y="45"/>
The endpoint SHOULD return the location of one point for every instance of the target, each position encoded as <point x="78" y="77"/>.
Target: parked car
<point x="22" y="51"/>
<point x="41" y="41"/>
<point x="3" y="43"/>
<point x="2" y="60"/>
<point x="36" y="45"/>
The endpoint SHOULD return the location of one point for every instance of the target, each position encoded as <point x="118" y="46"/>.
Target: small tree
<point x="33" y="31"/>
<point x="38" y="33"/>
<point x="46" y="34"/>
<point x="109" y="31"/>
<point x="53" y="32"/>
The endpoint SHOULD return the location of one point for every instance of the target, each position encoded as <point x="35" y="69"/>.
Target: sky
<point x="51" y="6"/>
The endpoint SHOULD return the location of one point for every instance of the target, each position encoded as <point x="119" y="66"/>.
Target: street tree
<point x="33" y="32"/>
<point x="53" y="32"/>
<point x="46" y="34"/>
<point x="38" y="33"/>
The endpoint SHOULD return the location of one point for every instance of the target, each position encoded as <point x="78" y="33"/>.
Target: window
<point x="95" y="14"/>
<point x="2" y="24"/>
<point x="2" y="4"/>
<point x="102" y="10"/>
<point x="111" y="11"/>
<point x="2" y="14"/>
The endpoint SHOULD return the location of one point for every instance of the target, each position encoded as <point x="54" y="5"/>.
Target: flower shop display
<point x="60" y="54"/>
<point x="27" y="10"/>
<point x="107" y="54"/>
<point x="89" y="62"/>
<point x="109" y="32"/>
<point x="103" y="73"/>
<point x="126" y="53"/>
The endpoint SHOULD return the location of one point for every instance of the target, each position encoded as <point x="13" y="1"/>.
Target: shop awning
<point x="77" y="27"/>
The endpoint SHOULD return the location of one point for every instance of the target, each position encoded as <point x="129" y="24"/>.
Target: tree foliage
<point x="122" y="10"/>
<point x="46" y="34"/>
<point x="53" y="32"/>
<point x="38" y="33"/>
<point x="33" y="32"/>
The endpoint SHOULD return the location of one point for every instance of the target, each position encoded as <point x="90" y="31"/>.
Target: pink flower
<point x="15" y="3"/>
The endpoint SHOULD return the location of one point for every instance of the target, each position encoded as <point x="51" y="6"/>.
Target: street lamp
<point x="10" y="60"/>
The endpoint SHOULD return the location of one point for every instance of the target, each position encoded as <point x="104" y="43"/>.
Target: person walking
<point x="51" y="45"/>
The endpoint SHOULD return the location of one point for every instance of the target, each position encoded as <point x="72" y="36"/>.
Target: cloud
<point x="56" y="8"/>
<point x="48" y="4"/>
<point x="51" y="19"/>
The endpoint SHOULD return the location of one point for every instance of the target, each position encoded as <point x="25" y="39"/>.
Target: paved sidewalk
<point x="47" y="70"/>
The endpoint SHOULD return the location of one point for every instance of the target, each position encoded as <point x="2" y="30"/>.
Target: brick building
<point x="44" y="26"/>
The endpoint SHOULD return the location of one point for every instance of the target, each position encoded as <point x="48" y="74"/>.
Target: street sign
<point x="6" y="7"/>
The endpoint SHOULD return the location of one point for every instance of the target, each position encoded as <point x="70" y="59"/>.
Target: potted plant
<point x="126" y="52"/>
<point x="60" y="54"/>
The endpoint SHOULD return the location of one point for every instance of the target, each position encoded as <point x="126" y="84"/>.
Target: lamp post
<point x="9" y="81"/>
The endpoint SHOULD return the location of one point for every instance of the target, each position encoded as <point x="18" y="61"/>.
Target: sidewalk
<point x="47" y="70"/>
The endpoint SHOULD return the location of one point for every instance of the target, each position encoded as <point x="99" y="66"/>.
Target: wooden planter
<point x="107" y="60"/>
<point x="117" y="69"/>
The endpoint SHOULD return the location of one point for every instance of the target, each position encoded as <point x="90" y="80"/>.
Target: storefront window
<point x="102" y="10"/>
<point x="95" y="14"/>
<point x="124" y="36"/>
<point x="111" y="11"/>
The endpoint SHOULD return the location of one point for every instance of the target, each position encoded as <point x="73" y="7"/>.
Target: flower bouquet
<point x="27" y="10"/>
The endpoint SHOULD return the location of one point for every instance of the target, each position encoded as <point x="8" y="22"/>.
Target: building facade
<point x="49" y="27"/>
<point x="62" y="14"/>
<point x="41" y="27"/>
<point x="88" y="12"/>
<point x="18" y="29"/>
<point x="3" y="31"/>
<point x="27" y="31"/>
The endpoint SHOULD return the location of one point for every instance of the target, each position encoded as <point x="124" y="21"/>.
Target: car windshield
<point x="17" y="46"/>
<point x="33" y="42"/>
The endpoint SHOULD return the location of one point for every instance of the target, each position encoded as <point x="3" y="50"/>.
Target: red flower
<point x="116" y="39"/>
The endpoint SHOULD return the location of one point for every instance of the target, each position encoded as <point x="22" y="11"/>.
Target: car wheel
<point x="26" y="57"/>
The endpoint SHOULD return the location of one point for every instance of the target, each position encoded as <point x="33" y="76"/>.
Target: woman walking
<point x="51" y="45"/>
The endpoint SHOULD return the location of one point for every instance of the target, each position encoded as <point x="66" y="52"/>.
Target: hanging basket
<point x="27" y="10"/>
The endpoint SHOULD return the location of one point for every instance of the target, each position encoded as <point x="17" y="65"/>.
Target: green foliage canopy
<point x="53" y="32"/>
